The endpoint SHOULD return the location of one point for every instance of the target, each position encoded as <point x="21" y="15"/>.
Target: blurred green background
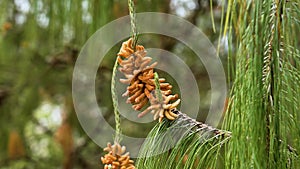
<point x="39" y="43"/>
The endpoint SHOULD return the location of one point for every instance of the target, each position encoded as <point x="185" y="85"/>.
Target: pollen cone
<point x="117" y="157"/>
<point x="139" y="76"/>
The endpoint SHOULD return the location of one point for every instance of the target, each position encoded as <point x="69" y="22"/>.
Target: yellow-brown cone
<point x="117" y="157"/>
<point x="139" y="76"/>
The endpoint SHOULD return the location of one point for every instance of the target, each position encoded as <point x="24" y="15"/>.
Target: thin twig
<point x="134" y="32"/>
<point x="201" y="126"/>
<point x="115" y="104"/>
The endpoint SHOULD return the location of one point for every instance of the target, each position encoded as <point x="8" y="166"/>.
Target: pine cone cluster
<point x="116" y="158"/>
<point x="139" y="74"/>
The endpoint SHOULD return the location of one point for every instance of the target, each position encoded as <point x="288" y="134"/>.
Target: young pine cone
<point x="116" y="158"/>
<point x="139" y="74"/>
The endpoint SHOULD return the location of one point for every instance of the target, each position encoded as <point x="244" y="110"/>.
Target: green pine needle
<point x="183" y="144"/>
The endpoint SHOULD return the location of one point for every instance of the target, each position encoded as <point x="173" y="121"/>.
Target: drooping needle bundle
<point x="116" y="158"/>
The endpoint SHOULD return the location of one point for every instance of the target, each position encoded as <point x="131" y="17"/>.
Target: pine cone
<point x="139" y="74"/>
<point x="116" y="158"/>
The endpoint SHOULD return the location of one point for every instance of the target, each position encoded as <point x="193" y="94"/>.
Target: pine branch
<point x="201" y="127"/>
<point x="182" y="143"/>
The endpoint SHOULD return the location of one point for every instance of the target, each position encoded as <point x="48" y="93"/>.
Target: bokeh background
<point x="39" y="43"/>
